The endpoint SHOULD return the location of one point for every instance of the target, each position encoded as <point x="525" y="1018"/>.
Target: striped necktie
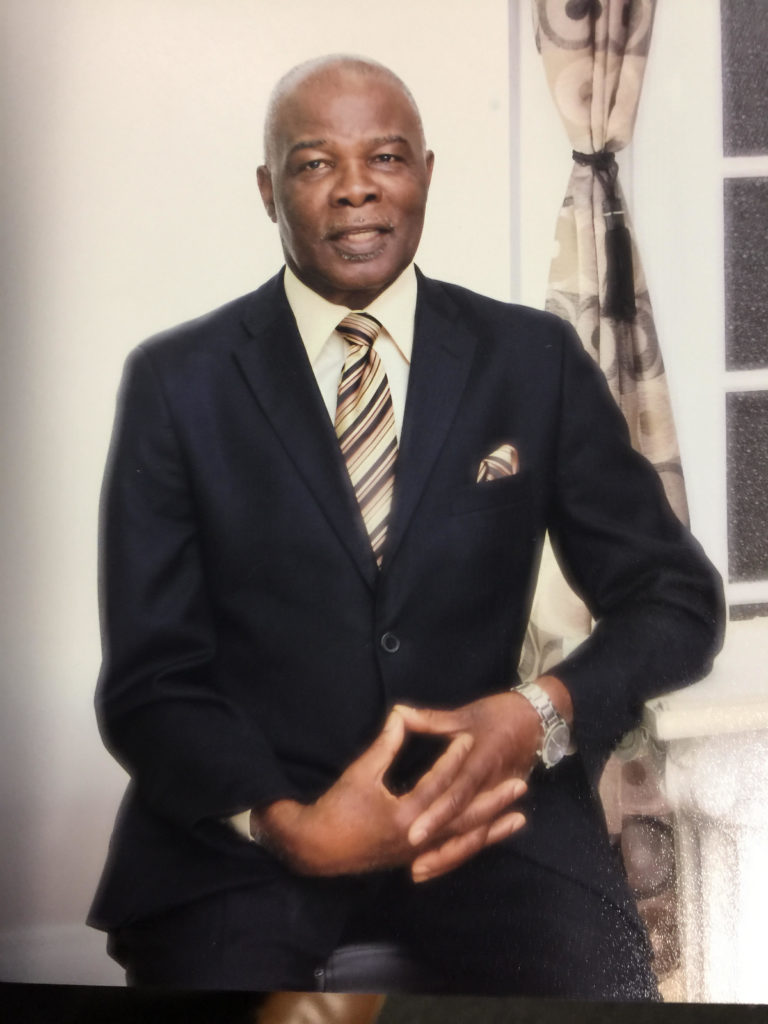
<point x="365" y="426"/>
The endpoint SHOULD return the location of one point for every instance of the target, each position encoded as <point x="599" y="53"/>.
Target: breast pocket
<point x="506" y="492"/>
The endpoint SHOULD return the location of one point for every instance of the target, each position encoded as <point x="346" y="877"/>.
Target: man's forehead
<point x="348" y="86"/>
<point x="345" y="75"/>
<point x="371" y="102"/>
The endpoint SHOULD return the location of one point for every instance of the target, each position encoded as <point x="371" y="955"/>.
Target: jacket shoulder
<point x="508" y="319"/>
<point x="218" y="329"/>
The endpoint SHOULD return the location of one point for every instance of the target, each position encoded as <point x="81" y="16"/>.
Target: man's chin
<point x="359" y="282"/>
<point x="361" y="257"/>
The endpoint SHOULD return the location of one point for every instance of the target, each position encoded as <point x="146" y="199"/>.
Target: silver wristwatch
<point x="556" y="740"/>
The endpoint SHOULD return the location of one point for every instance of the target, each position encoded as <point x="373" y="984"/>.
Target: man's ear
<point x="429" y="158"/>
<point x="264" y="179"/>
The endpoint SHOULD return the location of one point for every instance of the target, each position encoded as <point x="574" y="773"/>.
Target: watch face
<point x="555" y="745"/>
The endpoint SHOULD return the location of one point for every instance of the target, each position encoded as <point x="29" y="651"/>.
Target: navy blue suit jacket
<point x="243" y="610"/>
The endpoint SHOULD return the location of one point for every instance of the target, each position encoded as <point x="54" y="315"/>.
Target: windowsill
<point x="732" y="698"/>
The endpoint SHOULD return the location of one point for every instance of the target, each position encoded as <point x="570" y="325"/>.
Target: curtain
<point x="594" y="54"/>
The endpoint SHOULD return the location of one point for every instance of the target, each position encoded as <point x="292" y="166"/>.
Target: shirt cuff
<point x="241" y="823"/>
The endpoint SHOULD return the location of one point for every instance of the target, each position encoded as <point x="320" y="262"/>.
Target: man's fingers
<point x="462" y="808"/>
<point x="455" y="851"/>
<point x="447" y="806"/>
<point x="449" y="855"/>
<point x="381" y="753"/>
<point x="428" y="720"/>
<point x="442" y="773"/>
<point x="488" y="805"/>
<point x="505" y="826"/>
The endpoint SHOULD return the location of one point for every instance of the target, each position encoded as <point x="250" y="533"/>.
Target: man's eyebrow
<point x="306" y="144"/>
<point x="383" y="140"/>
<point x="379" y="140"/>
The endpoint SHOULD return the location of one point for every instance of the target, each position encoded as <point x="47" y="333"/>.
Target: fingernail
<point x="417" y="836"/>
<point x="420" y="874"/>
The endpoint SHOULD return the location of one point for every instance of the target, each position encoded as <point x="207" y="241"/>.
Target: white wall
<point x="677" y="204"/>
<point x="132" y="131"/>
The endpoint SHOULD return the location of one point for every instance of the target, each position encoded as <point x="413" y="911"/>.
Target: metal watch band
<point x="556" y="734"/>
<point x="541" y="701"/>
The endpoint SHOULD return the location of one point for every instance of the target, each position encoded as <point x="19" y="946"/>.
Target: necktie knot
<point x="359" y="329"/>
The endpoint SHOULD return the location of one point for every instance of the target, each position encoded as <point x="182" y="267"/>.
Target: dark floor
<point x="64" y="1004"/>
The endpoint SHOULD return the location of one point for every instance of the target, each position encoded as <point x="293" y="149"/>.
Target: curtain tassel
<point x="620" y="275"/>
<point x="619" y="302"/>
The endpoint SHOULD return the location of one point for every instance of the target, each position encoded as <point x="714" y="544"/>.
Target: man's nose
<point x="354" y="185"/>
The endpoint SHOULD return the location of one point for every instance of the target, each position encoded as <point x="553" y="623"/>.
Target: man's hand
<point x="506" y="732"/>
<point x="358" y="825"/>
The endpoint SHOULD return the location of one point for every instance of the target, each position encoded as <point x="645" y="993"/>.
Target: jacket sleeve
<point x="656" y="599"/>
<point x="190" y="752"/>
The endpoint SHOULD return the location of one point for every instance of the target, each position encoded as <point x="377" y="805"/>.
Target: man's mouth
<point x="359" y="241"/>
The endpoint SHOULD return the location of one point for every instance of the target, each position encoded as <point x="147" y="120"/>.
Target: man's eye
<point x="311" y="165"/>
<point x="386" y="158"/>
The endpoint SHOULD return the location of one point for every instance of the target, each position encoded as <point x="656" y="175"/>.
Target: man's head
<point x="346" y="176"/>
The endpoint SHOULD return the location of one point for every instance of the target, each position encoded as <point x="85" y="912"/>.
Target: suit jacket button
<point x="390" y="643"/>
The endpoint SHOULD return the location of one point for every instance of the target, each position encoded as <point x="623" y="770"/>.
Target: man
<point x="320" y="537"/>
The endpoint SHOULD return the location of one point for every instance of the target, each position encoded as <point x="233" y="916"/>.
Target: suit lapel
<point x="275" y="364"/>
<point x="443" y="351"/>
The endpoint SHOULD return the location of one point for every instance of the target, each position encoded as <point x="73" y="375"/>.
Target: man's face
<point x="347" y="183"/>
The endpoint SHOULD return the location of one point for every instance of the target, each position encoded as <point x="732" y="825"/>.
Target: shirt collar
<point x="317" y="318"/>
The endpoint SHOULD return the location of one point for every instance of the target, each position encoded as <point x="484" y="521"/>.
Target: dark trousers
<point x="497" y="926"/>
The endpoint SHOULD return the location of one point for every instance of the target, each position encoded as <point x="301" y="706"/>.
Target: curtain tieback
<point x="619" y="302"/>
<point x="603" y="159"/>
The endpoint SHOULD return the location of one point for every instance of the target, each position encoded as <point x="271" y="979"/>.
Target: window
<point x="744" y="40"/>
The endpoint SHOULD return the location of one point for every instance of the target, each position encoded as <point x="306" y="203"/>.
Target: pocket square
<point x="500" y="463"/>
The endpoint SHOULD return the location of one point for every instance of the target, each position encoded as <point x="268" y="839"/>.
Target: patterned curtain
<point x="594" y="54"/>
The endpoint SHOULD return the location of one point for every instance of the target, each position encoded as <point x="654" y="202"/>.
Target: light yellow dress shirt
<point x="316" y="319"/>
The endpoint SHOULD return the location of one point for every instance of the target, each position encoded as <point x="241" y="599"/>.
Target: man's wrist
<point x="560" y="696"/>
<point x="280" y="827"/>
<point x="554" y="729"/>
<point x="271" y="822"/>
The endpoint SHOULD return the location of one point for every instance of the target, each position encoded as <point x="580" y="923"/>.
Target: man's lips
<point x="357" y="232"/>
<point x="361" y="241"/>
